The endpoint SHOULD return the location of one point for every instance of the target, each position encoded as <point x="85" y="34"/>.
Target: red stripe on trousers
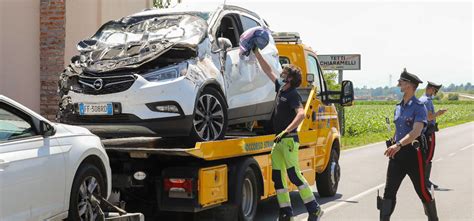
<point x="422" y="177"/>
<point x="432" y="143"/>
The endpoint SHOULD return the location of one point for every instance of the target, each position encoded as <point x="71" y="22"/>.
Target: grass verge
<point x="349" y="142"/>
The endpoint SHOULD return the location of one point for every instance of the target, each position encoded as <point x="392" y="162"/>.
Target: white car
<point x="48" y="171"/>
<point x="169" y="73"/>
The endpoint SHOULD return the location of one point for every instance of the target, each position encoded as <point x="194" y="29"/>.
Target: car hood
<point x="69" y="129"/>
<point x="133" y="41"/>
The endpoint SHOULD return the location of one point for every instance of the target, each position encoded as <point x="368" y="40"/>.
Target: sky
<point x="432" y="39"/>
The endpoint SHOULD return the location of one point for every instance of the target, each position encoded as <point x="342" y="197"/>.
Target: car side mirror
<point x="75" y="58"/>
<point x="347" y="93"/>
<point x="46" y="129"/>
<point x="221" y="45"/>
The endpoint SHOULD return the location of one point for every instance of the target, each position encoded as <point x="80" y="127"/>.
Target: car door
<point x="32" y="169"/>
<point x="261" y="90"/>
<point x="236" y="82"/>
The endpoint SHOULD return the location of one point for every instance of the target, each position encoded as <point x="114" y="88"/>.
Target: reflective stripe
<point x="304" y="186"/>
<point x="309" y="199"/>
<point x="283" y="205"/>
<point x="424" y="193"/>
<point x="280" y="191"/>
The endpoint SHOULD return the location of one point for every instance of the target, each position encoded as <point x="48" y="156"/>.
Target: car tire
<point x="210" y="116"/>
<point x="80" y="206"/>
<point x="328" y="181"/>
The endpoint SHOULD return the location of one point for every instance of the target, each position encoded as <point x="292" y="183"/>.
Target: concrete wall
<point x="84" y="17"/>
<point x="20" y="51"/>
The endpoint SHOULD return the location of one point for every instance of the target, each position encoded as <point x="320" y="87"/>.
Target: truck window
<point x="248" y="23"/>
<point x="313" y="69"/>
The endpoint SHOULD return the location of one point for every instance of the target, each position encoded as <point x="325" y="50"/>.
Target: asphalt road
<point x="363" y="172"/>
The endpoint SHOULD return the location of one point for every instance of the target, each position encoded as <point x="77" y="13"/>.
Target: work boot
<point x="316" y="215"/>
<point x="430" y="211"/>
<point x="386" y="207"/>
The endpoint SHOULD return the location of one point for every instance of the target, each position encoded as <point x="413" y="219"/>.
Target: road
<point x="363" y="172"/>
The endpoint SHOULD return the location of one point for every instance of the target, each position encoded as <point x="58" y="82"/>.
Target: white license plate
<point x="96" y="109"/>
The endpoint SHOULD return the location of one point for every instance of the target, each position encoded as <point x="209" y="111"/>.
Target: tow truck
<point x="229" y="177"/>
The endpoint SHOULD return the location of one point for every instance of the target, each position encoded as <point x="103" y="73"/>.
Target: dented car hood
<point x="133" y="41"/>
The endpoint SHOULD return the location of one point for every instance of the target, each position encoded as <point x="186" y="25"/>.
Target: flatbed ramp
<point x="141" y="147"/>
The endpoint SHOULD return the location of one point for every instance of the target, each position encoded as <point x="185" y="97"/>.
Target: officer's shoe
<point x="315" y="216"/>
<point x="285" y="217"/>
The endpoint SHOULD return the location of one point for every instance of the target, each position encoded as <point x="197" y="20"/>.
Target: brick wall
<point x="52" y="40"/>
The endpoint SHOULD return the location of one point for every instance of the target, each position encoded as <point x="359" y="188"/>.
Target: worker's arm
<point x="432" y="116"/>
<point x="265" y="66"/>
<point x="410" y="137"/>
<point x="297" y="120"/>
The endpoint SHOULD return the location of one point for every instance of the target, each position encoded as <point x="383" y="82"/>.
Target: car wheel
<point x="328" y="180"/>
<point x="249" y="198"/>
<point x="210" y="116"/>
<point x="87" y="182"/>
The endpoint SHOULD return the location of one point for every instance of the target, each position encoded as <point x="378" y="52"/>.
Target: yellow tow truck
<point x="230" y="176"/>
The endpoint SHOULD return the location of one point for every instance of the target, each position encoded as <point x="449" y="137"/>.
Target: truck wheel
<point x="210" y="116"/>
<point x="328" y="180"/>
<point x="87" y="181"/>
<point x="249" y="197"/>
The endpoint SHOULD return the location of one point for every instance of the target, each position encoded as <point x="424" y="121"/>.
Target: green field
<point x="365" y="121"/>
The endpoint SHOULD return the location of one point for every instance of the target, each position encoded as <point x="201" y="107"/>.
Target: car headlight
<point x="167" y="73"/>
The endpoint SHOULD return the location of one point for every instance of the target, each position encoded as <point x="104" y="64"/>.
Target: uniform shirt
<point x="286" y="103"/>
<point x="428" y="101"/>
<point x="406" y="115"/>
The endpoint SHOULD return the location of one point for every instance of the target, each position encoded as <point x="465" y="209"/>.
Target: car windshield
<point x="172" y="27"/>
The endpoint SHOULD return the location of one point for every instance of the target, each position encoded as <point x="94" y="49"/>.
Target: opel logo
<point x="98" y="84"/>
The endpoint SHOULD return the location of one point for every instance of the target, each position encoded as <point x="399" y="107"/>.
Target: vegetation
<point x="393" y="93"/>
<point x="365" y="121"/>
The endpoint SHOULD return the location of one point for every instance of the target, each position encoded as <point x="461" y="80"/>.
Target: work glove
<point x="280" y="136"/>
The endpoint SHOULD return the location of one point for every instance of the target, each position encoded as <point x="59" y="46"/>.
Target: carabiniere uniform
<point x="431" y="128"/>
<point x="410" y="159"/>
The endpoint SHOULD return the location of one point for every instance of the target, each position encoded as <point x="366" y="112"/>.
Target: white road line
<point x="354" y="198"/>
<point x="467" y="147"/>
<point x="373" y="189"/>
<point x="451" y="154"/>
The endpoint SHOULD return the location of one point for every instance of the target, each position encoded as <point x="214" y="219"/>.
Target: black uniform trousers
<point x="431" y="140"/>
<point x="411" y="162"/>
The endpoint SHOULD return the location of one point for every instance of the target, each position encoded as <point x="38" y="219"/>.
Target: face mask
<point x="281" y="81"/>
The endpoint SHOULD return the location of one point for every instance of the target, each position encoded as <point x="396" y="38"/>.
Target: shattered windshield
<point x="173" y="28"/>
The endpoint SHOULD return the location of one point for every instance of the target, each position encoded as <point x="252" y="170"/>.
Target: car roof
<point x="193" y="7"/>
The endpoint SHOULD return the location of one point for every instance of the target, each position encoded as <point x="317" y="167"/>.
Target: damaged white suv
<point x="169" y="73"/>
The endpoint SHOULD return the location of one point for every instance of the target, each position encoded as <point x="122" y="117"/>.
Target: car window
<point x="248" y="23"/>
<point x="229" y="29"/>
<point x="13" y="126"/>
<point x="313" y="69"/>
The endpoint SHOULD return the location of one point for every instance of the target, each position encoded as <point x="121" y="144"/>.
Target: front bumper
<point x="135" y="116"/>
<point x="128" y="125"/>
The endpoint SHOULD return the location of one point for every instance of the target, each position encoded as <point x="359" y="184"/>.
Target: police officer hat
<point x="405" y="76"/>
<point x="434" y="85"/>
